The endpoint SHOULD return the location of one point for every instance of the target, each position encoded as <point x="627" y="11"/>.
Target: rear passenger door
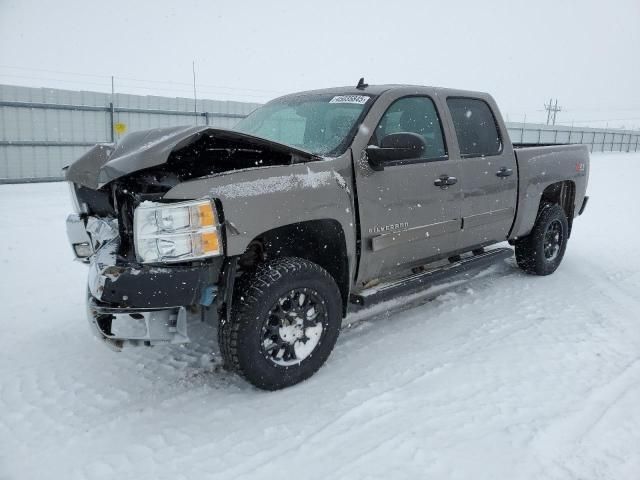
<point x="488" y="177"/>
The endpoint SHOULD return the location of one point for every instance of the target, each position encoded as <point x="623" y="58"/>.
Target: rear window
<point x="476" y="127"/>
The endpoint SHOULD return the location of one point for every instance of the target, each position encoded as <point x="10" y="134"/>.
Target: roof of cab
<point x="376" y="90"/>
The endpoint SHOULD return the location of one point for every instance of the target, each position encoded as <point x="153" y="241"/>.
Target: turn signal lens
<point x="210" y="242"/>
<point x="206" y="216"/>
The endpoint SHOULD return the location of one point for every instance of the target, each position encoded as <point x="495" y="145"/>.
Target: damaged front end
<point x="131" y="303"/>
<point x="156" y="265"/>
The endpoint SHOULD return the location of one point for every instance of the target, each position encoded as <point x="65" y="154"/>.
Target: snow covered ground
<point x="507" y="376"/>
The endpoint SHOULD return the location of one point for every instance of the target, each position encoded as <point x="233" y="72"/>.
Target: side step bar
<point x="421" y="280"/>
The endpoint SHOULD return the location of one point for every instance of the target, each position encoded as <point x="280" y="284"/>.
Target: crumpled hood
<point x="139" y="150"/>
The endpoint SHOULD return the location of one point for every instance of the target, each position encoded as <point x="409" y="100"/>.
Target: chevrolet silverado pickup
<point x="315" y="203"/>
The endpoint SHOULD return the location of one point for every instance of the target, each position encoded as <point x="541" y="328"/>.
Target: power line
<point x="53" y="71"/>
<point x="30" y="77"/>
<point x="604" y="109"/>
<point x="163" y="82"/>
<point x="202" y="85"/>
<point x="608" y="120"/>
<point x="106" y="86"/>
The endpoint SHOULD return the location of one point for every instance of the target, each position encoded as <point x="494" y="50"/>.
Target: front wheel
<point x="541" y="251"/>
<point x="284" y="323"/>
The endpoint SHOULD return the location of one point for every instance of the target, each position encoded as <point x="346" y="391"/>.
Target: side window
<point x="475" y="126"/>
<point x="413" y="115"/>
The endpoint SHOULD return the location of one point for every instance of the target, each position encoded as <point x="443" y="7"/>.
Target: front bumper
<point x="118" y="327"/>
<point x="145" y="306"/>
<point x="143" y="286"/>
<point x="136" y="304"/>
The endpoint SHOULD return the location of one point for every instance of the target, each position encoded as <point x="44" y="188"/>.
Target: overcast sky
<point x="586" y="53"/>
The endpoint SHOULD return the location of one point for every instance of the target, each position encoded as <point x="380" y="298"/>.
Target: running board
<point x="421" y="280"/>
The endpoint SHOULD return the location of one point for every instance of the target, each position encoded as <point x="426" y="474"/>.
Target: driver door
<point x="407" y="213"/>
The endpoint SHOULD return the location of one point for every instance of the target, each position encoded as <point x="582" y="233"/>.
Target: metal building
<point x="43" y="129"/>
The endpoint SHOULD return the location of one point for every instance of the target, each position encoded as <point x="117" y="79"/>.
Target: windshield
<point x="318" y="123"/>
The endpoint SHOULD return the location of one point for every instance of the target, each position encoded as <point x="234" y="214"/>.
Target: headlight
<point x="176" y="232"/>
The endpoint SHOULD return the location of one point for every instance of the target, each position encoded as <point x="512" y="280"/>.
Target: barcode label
<point x="358" y="99"/>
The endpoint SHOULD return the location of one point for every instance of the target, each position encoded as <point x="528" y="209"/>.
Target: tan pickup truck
<point x="315" y="203"/>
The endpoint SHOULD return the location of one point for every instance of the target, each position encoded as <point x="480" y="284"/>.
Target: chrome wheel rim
<point x="293" y="327"/>
<point x="552" y="240"/>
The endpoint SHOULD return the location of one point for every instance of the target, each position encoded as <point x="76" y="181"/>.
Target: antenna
<point x="361" y="85"/>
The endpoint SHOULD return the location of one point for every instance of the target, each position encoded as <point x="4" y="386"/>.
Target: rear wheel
<point x="541" y="251"/>
<point x="284" y="323"/>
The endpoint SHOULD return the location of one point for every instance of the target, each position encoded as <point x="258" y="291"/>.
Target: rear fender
<point x="539" y="169"/>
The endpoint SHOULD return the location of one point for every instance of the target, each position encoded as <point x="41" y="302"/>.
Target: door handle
<point x="445" y="181"/>
<point x="504" y="172"/>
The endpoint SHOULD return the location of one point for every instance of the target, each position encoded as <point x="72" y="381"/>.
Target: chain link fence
<point x="597" y="139"/>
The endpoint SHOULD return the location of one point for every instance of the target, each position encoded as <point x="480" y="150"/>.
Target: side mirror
<point x="394" y="148"/>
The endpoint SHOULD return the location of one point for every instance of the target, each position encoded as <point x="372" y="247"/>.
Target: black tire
<point x="251" y="340"/>
<point x="541" y="251"/>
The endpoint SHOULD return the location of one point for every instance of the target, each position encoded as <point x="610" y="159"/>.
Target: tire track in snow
<point x="558" y="442"/>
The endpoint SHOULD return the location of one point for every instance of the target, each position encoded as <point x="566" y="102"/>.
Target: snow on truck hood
<point x="106" y="162"/>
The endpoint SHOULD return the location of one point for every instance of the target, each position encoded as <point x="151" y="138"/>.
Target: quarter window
<point x="476" y="127"/>
<point x="413" y="115"/>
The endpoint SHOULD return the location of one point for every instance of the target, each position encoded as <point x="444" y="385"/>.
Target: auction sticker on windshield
<point x="358" y="99"/>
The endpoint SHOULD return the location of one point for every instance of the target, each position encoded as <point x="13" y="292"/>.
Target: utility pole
<point x="112" y="111"/>
<point x="552" y="110"/>
<point x="556" y="109"/>
<point x="195" y="99"/>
